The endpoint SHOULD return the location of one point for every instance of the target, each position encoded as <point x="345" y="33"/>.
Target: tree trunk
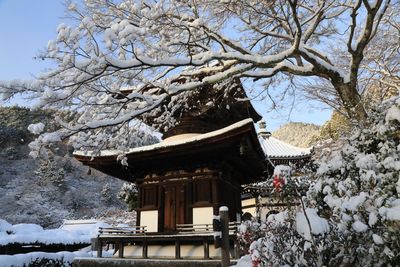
<point x="351" y="101"/>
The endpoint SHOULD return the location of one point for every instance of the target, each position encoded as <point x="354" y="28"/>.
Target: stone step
<point x="112" y="262"/>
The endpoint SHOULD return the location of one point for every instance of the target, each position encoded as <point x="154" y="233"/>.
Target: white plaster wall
<point x="203" y="215"/>
<point x="247" y="202"/>
<point x="149" y="218"/>
<point x="252" y="211"/>
<point x="168" y="251"/>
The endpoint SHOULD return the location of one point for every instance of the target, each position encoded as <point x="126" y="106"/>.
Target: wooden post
<point x="236" y="249"/>
<point x="206" y="249"/>
<point x="121" y="249"/>
<point x="177" y="249"/>
<point x="144" y="251"/>
<point x="224" y="217"/>
<point x="99" y="248"/>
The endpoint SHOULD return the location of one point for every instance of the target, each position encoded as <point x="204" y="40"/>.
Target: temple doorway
<point x="174" y="206"/>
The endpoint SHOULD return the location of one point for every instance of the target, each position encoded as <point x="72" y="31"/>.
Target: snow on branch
<point x="151" y="48"/>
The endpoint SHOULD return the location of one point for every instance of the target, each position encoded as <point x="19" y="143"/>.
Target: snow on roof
<point x="170" y="142"/>
<point x="275" y="148"/>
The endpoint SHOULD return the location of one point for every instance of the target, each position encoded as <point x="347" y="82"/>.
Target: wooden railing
<point x="135" y="230"/>
<point x="203" y="228"/>
<point x="122" y="236"/>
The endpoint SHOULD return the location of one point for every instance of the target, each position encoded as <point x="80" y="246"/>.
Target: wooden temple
<point x="200" y="164"/>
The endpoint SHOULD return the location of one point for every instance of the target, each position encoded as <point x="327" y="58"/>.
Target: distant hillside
<point x="47" y="191"/>
<point x="297" y="133"/>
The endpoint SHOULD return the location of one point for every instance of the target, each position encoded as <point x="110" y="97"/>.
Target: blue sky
<point x="27" y="25"/>
<point x="25" y="28"/>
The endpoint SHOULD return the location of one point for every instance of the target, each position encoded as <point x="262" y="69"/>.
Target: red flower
<point x="278" y="183"/>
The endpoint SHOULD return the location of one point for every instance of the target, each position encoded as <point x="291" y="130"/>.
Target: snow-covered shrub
<point x="106" y="193"/>
<point x="248" y="232"/>
<point x="350" y="215"/>
<point x="42" y="259"/>
<point x="44" y="262"/>
<point x="50" y="173"/>
<point x="284" y="238"/>
<point x="358" y="190"/>
<point x="129" y="194"/>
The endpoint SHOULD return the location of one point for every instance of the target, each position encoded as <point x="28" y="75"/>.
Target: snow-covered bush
<point x="358" y="190"/>
<point x="350" y="215"/>
<point x="41" y="259"/>
<point x="50" y="173"/>
<point x="106" y="193"/>
<point x="129" y="194"/>
<point x="249" y="231"/>
<point x="45" y="262"/>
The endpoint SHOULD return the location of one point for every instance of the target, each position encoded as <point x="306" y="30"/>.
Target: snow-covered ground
<point x="21" y="259"/>
<point x="69" y="233"/>
<point x="32" y="233"/>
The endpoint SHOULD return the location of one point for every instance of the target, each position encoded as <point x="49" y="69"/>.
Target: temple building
<point x="200" y="165"/>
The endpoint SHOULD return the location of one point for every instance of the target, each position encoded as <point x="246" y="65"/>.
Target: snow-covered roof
<point x="275" y="148"/>
<point x="170" y="142"/>
<point x="222" y="144"/>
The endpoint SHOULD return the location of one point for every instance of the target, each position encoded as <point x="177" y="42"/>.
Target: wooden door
<point x="174" y="207"/>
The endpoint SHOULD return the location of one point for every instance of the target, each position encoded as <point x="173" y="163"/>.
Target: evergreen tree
<point x="129" y="194"/>
<point x="49" y="172"/>
<point x="106" y="193"/>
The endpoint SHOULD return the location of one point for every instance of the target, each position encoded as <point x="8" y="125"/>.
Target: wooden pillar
<point x="121" y="249"/>
<point x="224" y="217"/>
<point x="177" y="249"/>
<point x="144" y="251"/>
<point x="99" y="248"/>
<point x="206" y="249"/>
<point x="236" y="248"/>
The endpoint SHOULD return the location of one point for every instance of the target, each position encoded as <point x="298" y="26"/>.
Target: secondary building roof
<point x="277" y="149"/>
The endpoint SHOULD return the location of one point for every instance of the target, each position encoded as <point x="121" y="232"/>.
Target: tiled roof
<point x="275" y="148"/>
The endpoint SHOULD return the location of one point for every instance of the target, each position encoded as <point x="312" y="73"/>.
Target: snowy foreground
<point x="21" y="259"/>
<point x="66" y="234"/>
<point x="33" y="233"/>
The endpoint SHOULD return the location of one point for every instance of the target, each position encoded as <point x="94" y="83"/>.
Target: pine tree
<point x="129" y="194"/>
<point x="50" y="173"/>
<point x="106" y="193"/>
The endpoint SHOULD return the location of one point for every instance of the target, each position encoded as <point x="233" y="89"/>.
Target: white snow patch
<point x="279" y="218"/>
<point x="372" y="218"/>
<point x="377" y="239"/>
<point x="359" y="227"/>
<point x="353" y="203"/>
<point x="392" y="213"/>
<point x="244" y="261"/>
<point x="318" y="225"/>
<point x="36" y="128"/>
<point x="392" y="114"/>
<point x="367" y="162"/>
